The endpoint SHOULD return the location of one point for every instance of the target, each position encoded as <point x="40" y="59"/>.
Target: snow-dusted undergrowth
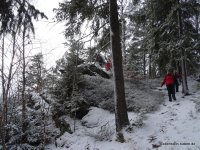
<point x="139" y="95"/>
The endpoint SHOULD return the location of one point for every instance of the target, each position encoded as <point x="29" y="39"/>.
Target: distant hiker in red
<point x="108" y="65"/>
<point x="170" y="81"/>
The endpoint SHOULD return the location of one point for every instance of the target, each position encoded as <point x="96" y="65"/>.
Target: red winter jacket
<point x="108" y="65"/>
<point x="168" y="80"/>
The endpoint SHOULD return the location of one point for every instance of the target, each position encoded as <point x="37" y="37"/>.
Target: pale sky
<point x="49" y="36"/>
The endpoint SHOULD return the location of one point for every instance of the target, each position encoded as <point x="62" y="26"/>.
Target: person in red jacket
<point x="108" y="65"/>
<point x="169" y="80"/>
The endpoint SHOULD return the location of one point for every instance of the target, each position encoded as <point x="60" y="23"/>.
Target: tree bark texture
<point x="3" y="114"/>
<point x="23" y="81"/>
<point x="144" y="63"/>
<point x="185" y="89"/>
<point x="121" y="115"/>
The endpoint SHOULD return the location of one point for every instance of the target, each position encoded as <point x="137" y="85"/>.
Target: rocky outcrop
<point x="93" y="70"/>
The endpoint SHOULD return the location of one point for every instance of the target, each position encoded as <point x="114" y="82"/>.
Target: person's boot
<point x="174" y="98"/>
<point x="170" y="98"/>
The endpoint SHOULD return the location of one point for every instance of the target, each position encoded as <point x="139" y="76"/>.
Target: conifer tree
<point x="36" y="72"/>
<point x="121" y="115"/>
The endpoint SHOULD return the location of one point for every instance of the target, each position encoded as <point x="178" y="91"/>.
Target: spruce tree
<point x="121" y="115"/>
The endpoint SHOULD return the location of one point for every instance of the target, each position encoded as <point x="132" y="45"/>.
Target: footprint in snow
<point x="152" y="138"/>
<point x="176" y="104"/>
<point x="163" y="129"/>
<point x="163" y="112"/>
<point x="172" y="114"/>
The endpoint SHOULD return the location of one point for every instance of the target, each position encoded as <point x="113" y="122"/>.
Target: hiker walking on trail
<point x="170" y="82"/>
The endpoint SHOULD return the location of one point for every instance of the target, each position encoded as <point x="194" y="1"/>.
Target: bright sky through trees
<point x="49" y="36"/>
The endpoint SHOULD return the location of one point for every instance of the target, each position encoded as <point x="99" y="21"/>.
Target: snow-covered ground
<point x="174" y="126"/>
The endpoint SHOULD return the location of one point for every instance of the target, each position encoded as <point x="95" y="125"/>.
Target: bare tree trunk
<point x="123" y="23"/>
<point x="6" y="84"/>
<point x="185" y="89"/>
<point x="3" y="93"/>
<point x="144" y="63"/>
<point x="197" y="21"/>
<point x="172" y="61"/>
<point x="10" y="73"/>
<point x="39" y="78"/>
<point x="123" y="40"/>
<point x="150" y="67"/>
<point x="2" y="69"/>
<point x="121" y="115"/>
<point x="23" y="81"/>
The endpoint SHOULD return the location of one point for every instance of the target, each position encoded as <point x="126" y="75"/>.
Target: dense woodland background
<point x="149" y="37"/>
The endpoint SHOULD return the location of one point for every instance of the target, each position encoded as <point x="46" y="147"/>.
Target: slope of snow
<point x="174" y="126"/>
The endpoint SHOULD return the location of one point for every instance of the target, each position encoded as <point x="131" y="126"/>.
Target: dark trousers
<point x="171" y="92"/>
<point x="176" y="85"/>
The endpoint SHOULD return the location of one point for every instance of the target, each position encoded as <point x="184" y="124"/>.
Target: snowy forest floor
<point x="174" y="126"/>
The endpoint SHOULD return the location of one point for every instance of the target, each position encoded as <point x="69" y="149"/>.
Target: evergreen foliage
<point x="38" y="126"/>
<point x="35" y="75"/>
<point x="76" y="12"/>
<point x="158" y="22"/>
<point x="87" y="16"/>
<point x="69" y="75"/>
<point x="14" y="13"/>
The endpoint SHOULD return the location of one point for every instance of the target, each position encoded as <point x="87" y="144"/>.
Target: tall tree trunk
<point x="6" y="86"/>
<point x="197" y="21"/>
<point x="172" y="60"/>
<point x="121" y="115"/>
<point x="123" y="39"/>
<point x="2" y="68"/>
<point x="23" y="81"/>
<point x="144" y="63"/>
<point x="10" y="73"/>
<point x="185" y="89"/>
<point x="150" y="67"/>
<point x="3" y="94"/>
<point x="39" y="77"/>
<point x="123" y="24"/>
